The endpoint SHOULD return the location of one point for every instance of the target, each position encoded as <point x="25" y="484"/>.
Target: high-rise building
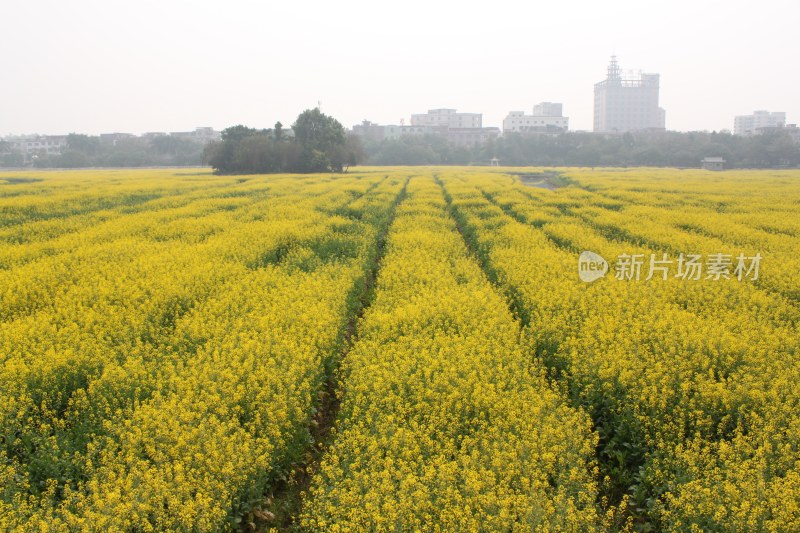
<point x="627" y="103"/>
<point x="751" y="124"/>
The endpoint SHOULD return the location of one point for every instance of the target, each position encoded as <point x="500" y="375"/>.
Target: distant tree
<point x="321" y="137"/>
<point x="260" y="154"/>
<point x="650" y="156"/>
<point x="244" y="150"/>
<point x="13" y="159"/>
<point x="222" y="155"/>
<point x="315" y="130"/>
<point x="349" y="154"/>
<point x="167" y="150"/>
<point x="237" y="133"/>
<point x="409" y="150"/>
<point x="167" y="144"/>
<point x="73" y="159"/>
<point x="628" y="139"/>
<point x="84" y="144"/>
<point x="213" y="155"/>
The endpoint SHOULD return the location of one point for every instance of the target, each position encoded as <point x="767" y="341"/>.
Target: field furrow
<point x="400" y="349"/>
<point x="445" y="424"/>
<point x="673" y="372"/>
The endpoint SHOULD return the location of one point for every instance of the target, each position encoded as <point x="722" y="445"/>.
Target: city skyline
<point x="94" y="67"/>
<point x="502" y="127"/>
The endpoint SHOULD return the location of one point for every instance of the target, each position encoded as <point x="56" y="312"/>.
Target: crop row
<point x="689" y="384"/>
<point x="445" y="423"/>
<point x="150" y="386"/>
<point x="166" y="341"/>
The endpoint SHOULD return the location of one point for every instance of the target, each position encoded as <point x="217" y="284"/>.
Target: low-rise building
<point x="202" y="135"/>
<point x="546" y="118"/>
<point x="114" y="138"/>
<point x="748" y="125"/>
<point x="38" y="144"/>
<point x="457" y="128"/>
<point x="379" y="132"/>
<point x="395" y="132"/>
<point x="713" y="163"/>
<point x="369" y="130"/>
<point x="447" y="118"/>
<point x="790" y="130"/>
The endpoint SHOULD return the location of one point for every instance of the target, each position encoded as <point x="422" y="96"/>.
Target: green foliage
<point x="420" y="150"/>
<point x="12" y="159"/>
<point x="89" y="151"/>
<point x="670" y="149"/>
<point x="83" y="143"/>
<point x="319" y="145"/>
<point x="238" y="132"/>
<point x="316" y="131"/>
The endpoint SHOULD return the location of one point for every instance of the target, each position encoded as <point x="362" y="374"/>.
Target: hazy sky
<point x="171" y="65"/>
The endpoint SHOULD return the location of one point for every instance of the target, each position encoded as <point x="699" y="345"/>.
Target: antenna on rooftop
<point x="613" y="69"/>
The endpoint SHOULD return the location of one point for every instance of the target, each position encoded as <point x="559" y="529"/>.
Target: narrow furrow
<point x="659" y="367"/>
<point x="574" y="231"/>
<point x="192" y="433"/>
<point x="282" y="506"/>
<point x="511" y="292"/>
<point x="445" y="424"/>
<point x="684" y="231"/>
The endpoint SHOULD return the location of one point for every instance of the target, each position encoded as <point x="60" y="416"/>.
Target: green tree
<point x="259" y="153"/>
<point x="222" y="155"/>
<point x="73" y="159"/>
<point x="237" y="133"/>
<point x="348" y="154"/>
<point x="321" y="138"/>
<point x="84" y="144"/>
<point x="13" y="159"/>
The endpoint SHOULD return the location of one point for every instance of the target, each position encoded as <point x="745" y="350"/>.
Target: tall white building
<point x="747" y="125"/>
<point x="546" y="118"/>
<point x="448" y="118"/>
<point x="627" y="103"/>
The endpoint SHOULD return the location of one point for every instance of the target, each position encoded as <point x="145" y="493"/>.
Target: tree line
<point x="315" y="143"/>
<point x="318" y="143"/>
<point x="90" y="151"/>
<point x="666" y="149"/>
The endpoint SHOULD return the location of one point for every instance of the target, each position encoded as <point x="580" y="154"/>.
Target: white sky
<point x="93" y="66"/>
